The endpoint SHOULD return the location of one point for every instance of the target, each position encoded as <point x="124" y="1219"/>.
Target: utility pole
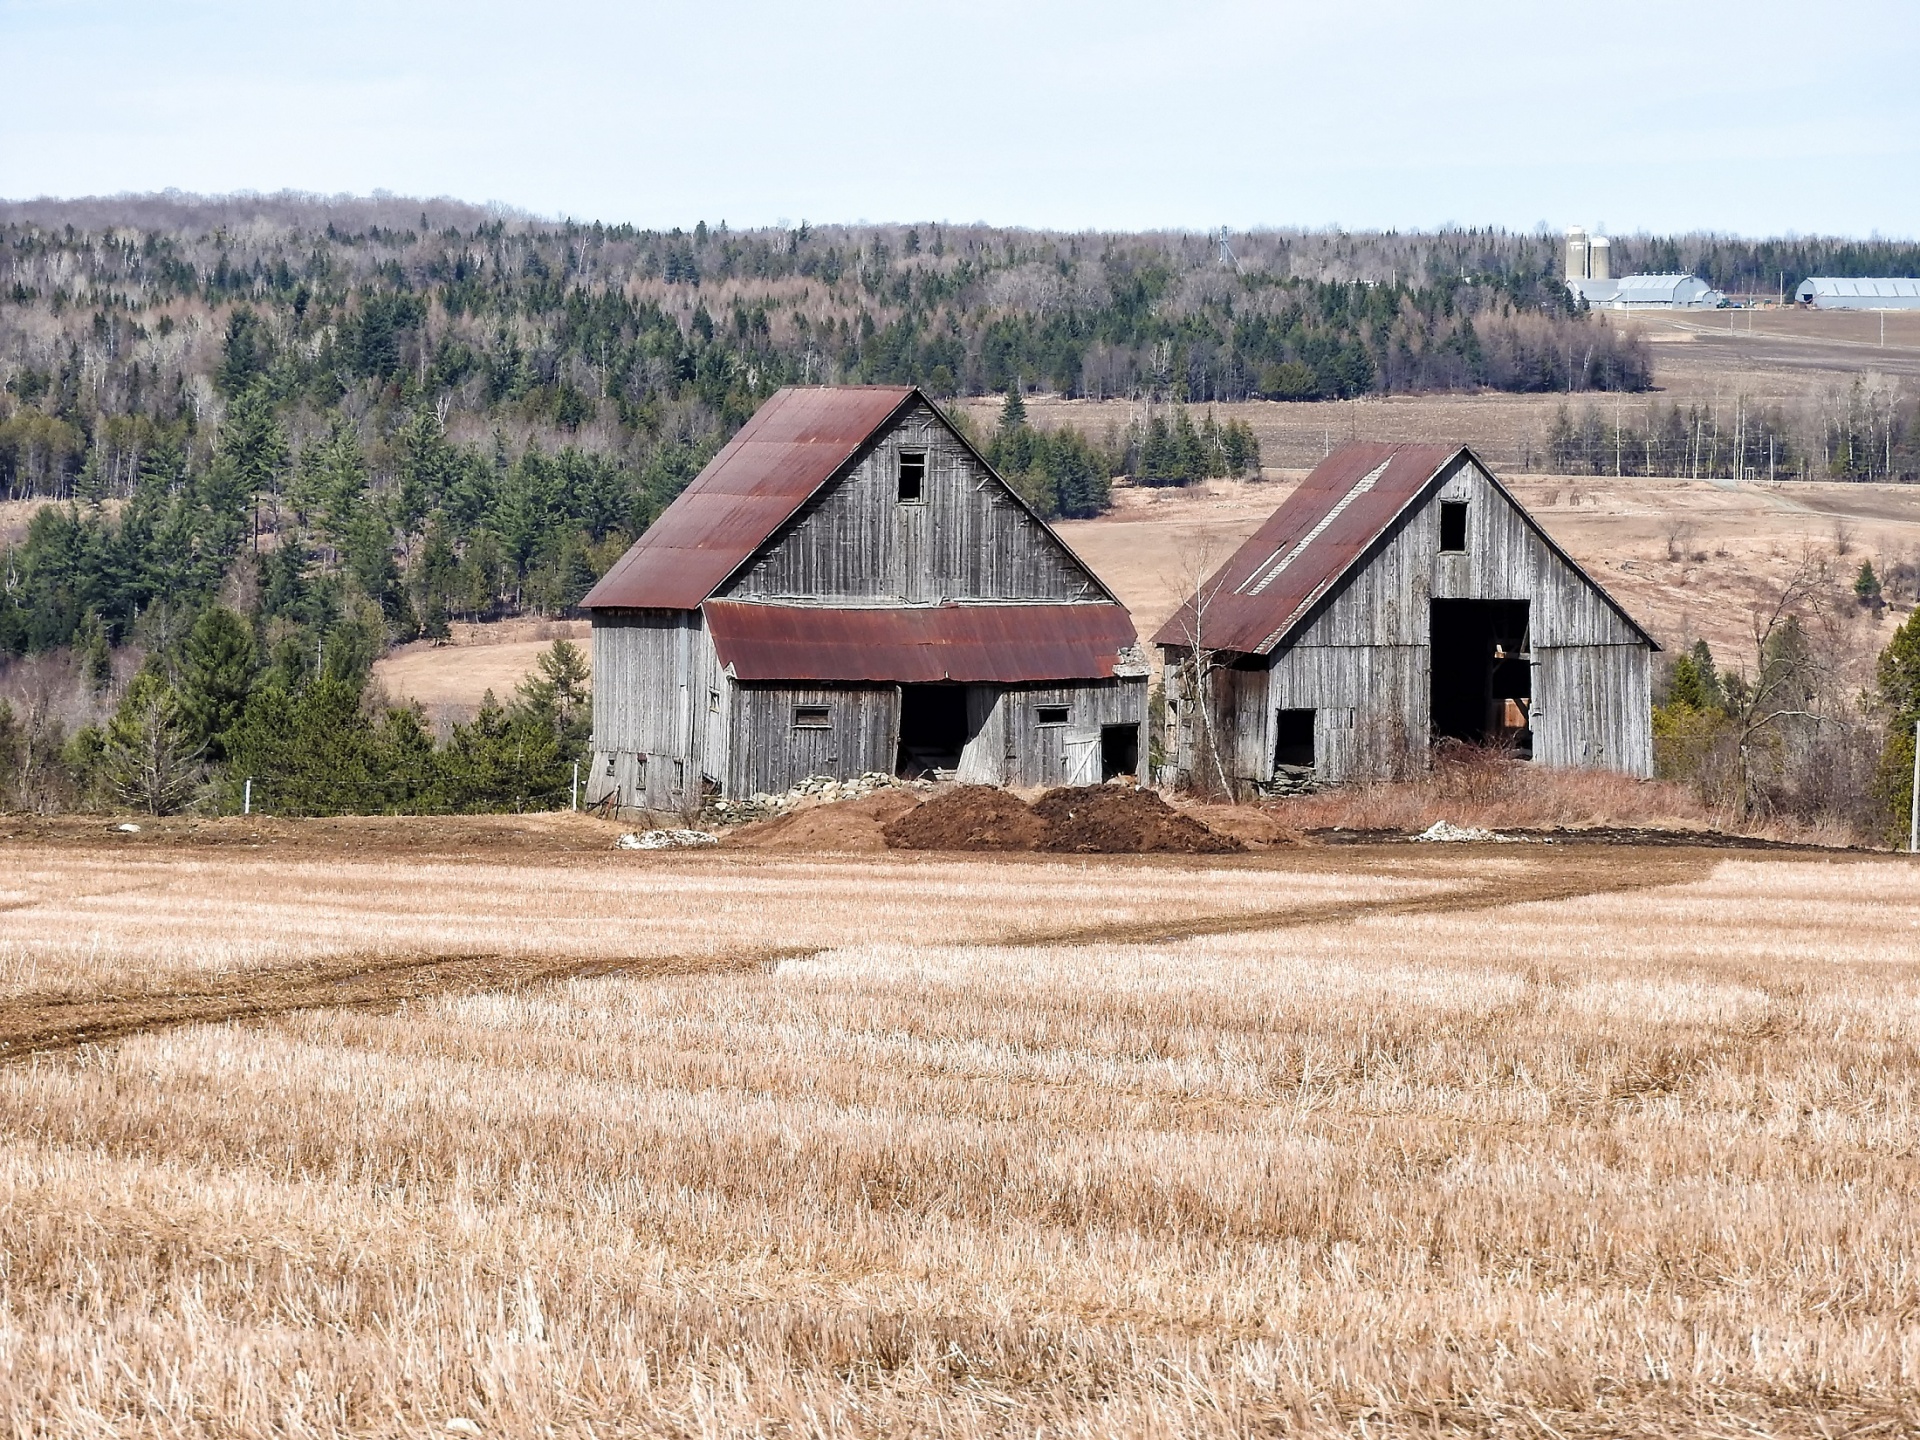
<point x="1913" y="805"/>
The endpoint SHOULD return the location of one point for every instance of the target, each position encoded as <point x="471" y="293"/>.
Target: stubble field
<point x="498" y="1127"/>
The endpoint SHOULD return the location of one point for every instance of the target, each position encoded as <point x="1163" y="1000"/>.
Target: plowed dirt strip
<point x="31" y="1025"/>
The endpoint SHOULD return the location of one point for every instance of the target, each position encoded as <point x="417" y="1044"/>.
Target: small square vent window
<point x="811" y="717"/>
<point x="1050" y="714"/>
<point x="913" y="477"/>
<point x="1453" y="525"/>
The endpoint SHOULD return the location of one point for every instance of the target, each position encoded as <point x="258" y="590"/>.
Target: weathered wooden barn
<point x="849" y="587"/>
<point x="1399" y="598"/>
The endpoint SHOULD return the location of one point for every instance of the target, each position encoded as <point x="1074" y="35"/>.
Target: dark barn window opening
<point x="1119" y="751"/>
<point x="1293" y="738"/>
<point x="1482" y="675"/>
<point x="1453" y="525"/>
<point x="812" y="717"/>
<point x="1050" y="715"/>
<point x="913" y="477"/>
<point x="933" y="729"/>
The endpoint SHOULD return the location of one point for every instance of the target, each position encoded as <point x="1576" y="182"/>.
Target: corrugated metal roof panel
<point x="1269" y="584"/>
<point x="981" y="644"/>
<point x="788" y="450"/>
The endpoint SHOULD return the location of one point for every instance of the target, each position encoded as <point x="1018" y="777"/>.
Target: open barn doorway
<point x="1483" y="673"/>
<point x="933" y="730"/>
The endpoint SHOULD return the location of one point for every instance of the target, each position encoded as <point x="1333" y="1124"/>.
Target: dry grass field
<point x="495" y="1126"/>
<point x="449" y="680"/>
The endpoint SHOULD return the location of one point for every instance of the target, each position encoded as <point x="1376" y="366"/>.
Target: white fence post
<point x="246" y="797"/>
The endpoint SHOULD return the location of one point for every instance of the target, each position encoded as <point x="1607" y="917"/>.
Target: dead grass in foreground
<point x="1639" y="1160"/>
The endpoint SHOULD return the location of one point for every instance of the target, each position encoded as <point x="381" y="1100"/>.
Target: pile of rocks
<point x="1446" y="832"/>
<point x="665" y="840"/>
<point x="815" y="789"/>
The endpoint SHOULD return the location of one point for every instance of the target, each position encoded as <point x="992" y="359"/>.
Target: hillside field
<point x="365" y="1127"/>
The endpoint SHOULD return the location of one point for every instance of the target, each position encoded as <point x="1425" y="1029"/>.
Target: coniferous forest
<point x="285" y="432"/>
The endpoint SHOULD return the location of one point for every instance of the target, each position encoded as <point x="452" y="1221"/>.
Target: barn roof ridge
<point x="1269" y="587"/>
<point x="792" y="446"/>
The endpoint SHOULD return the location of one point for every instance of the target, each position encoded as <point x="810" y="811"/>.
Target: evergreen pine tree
<point x="1898" y="681"/>
<point x="1013" y="414"/>
<point x="1866" y="585"/>
<point x="217" y="667"/>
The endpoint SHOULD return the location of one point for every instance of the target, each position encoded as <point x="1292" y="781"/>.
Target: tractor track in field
<point x="43" y="1024"/>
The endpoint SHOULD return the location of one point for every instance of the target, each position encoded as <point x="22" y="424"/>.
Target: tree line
<point x="213" y="721"/>
<point x="1868" y="432"/>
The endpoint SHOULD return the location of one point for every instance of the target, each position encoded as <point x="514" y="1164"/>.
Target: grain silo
<point x="1577" y="252"/>
<point x="1599" y="258"/>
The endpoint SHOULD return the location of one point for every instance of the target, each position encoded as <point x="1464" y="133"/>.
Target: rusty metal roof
<point x="982" y="644"/>
<point x="1270" y="585"/>
<point x="792" y="446"/>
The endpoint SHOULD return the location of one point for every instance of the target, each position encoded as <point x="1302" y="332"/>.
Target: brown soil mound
<point x="1084" y="820"/>
<point x="845" y="825"/>
<point x="969" y="817"/>
<point x="1114" y="820"/>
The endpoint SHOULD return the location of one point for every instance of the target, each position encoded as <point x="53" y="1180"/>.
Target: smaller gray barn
<point x="849" y="587"/>
<point x="1402" y="596"/>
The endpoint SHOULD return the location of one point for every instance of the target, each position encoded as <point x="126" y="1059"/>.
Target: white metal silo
<point x="1576" y="253"/>
<point x="1599" y="258"/>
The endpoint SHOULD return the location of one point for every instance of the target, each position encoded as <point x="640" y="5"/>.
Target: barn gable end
<point x="968" y="537"/>
<point x="1404" y="594"/>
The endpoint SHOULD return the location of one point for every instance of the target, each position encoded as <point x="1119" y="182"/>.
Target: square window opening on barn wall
<point x="1050" y="715"/>
<point x="812" y="717"/>
<point x="1453" y="526"/>
<point x="913" y="477"/>
<point x="1293" y="738"/>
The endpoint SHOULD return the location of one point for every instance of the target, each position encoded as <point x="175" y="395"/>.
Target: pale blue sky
<point x="1757" y="117"/>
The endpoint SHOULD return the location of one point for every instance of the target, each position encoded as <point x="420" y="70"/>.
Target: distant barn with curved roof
<point x="1841" y="292"/>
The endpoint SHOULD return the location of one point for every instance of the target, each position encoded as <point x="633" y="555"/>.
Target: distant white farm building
<point x="1590" y="276"/>
<point x="1831" y="292"/>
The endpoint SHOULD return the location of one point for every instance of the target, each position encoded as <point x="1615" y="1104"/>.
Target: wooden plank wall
<point x="1364" y="661"/>
<point x="770" y="755"/>
<point x="659" y="707"/>
<point x="969" y="540"/>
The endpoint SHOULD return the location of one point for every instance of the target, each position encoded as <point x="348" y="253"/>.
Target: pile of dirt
<point x="1119" y="820"/>
<point x="854" y="825"/>
<point x="1080" y="820"/>
<point x="969" y="817"/>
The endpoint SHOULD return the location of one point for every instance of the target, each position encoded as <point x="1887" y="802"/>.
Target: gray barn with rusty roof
<point x="1401" y="597"/>
<point x="849" y="587"/>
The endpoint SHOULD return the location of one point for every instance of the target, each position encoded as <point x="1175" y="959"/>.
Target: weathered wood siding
<point x="1069" y="754"/>
<point x="659" y="708"/>
<point x="1364" y="661"/>
<point x="969" y="539"/>
<point x="769" y="753"/>
<point x="1593" y="707"/>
